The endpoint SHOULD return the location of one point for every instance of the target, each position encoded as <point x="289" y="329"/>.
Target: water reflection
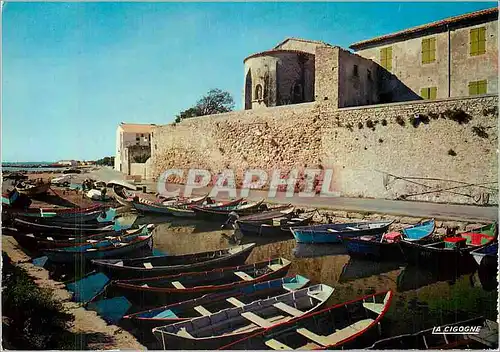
<point x="357" y="268"/>
<point x="305" y="250"/>
<point x="422" y="299"/>
<point x="412" y="277"/>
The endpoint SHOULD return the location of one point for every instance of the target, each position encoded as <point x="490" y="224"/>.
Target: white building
<point x="68" y="162"/>
<point x="127" y="135"/>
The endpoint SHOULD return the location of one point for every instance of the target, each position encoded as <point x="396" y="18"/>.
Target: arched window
<point x="258" y="92"/>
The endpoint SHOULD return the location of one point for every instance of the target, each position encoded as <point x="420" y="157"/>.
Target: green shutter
<point x="433" y="93"/>
<point x="424" y="93"/>
<point x="428" y="50"/>
<point x="477" y="41"/>
<point x="386" y="58"/>
<point x="432" y="50"/>
<point x="482" y="87"/>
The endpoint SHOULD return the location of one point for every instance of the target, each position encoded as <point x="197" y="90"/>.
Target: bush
<point x="480" y="131"/>
<point x="457" y="115"/>
<point x="34" y="319"/>
<point x="400" y="120"/>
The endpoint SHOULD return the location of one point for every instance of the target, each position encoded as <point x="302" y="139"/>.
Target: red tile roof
<point x="433" y="25"/>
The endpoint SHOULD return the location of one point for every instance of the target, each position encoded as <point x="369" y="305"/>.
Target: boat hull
<point x="321" y="233"/>
<point x="373" y="249"/>
<point x="437" y="258"/>
<point x="128" y="272"/>
<point x="143" y="246"/>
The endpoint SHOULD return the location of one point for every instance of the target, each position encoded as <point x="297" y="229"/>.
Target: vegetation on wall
<point x="452" y="152"/>
<point x="400" y="120"/>
<point x="480" y="131"/>
<point x="216" y="101"/>
<point x="142" y="158"/>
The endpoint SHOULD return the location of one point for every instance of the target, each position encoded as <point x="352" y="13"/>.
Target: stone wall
<point x="377" y="151"/>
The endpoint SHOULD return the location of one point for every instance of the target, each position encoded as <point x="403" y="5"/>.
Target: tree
<point x="215" y="101"/>
<point x="108" y="161"/>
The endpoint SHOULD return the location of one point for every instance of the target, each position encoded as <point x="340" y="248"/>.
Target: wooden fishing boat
<point x="32" y="190"/>
<point x="70" y="231"/>
<point x="122" y="196"/>
<point x="52" y="218"/>
<point x="486" y="253"/>
<point x="429" y="340"/>
<point x="333" y="233"/>
<point x="419" y="231"/>
<point x="108" y="248"/>
<point x="273" y="227"/>
<point x="174" y="264"/>
<point x="223" y="212"/>
<point x="36" y="242"/>
<point x="213" y="330"/>
<point x="173" y="313"/>
<point x="385" y="246"/>
<point x="180" y="287"/>
<point x="269" y="214"/>
<point x="451" y="251"/>
<point x="165" y="207"/>
<point x="348" y="325"/>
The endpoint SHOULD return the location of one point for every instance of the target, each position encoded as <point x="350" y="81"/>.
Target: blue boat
<point x="148" y="319"/>
<point x="484" y="254"/>
<point x="110" y="248"/>
<point x="419" y="231"/>
<point x="333" y="233"/>
<point x="385" y="246"/>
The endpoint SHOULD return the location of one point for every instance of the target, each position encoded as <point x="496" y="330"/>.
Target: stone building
<point x="454" y="57"/>
<point x="133" y="146"/>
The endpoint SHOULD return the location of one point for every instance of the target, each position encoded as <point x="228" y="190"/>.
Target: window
<point x="477" y="41"/>
<point x="386" y="58"/>
<point x="355" y="71"/>
<point x="428" y="50"/>
<point x="478" y="87"/>
<point x="258" y="92"/>
<point x="428" y="93"/>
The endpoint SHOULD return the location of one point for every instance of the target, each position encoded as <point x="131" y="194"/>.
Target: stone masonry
<point x="439" y="151"/>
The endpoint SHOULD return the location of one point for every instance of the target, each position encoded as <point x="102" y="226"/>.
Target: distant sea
<point x="28" y="166"/>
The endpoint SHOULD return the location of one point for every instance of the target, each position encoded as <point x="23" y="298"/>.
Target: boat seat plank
<point x="274" y="267"/>
<point x="178" y="285"/>
<point x="148" y="265"/>
<point x="338" y="335"/>
<point x="51" y="239"/>
<point x="288" y="309"/>
<point x="249" y="328"/>
<point x="235" y="302"/>
<point x="202" y="310"/>
<point x="254" y="318"/>
<point x="243" y="275"/>
<point x="332" y="230"/>
<point x="309" y="346"/>
<point x="183" y="332"/>
<point x="145" y="285"/>
<point x="276" y="345"/>
<point x="374" y="307"/>
<point x="352" y="228"/>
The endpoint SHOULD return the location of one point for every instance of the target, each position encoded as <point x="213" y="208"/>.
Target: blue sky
<point x="73" y="71"/>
